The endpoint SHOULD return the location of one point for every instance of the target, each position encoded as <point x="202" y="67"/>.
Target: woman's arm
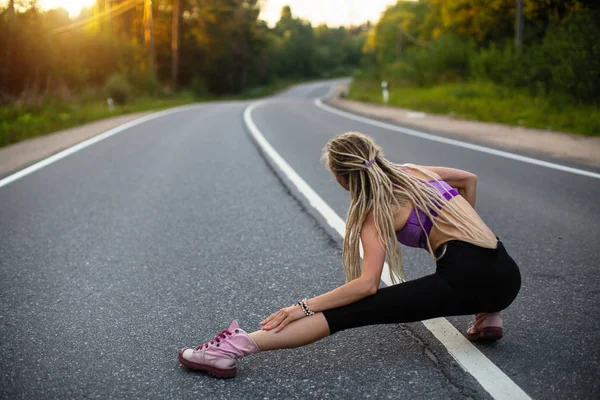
<point x="465" y="182"/>
<point x="368" y="282"/>
<point x="366" y="285"/>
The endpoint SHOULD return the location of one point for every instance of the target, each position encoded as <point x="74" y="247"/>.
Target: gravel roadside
<point x="563" y="146"/>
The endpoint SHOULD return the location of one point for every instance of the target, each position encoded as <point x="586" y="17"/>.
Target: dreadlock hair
<point x="374" y="182"/>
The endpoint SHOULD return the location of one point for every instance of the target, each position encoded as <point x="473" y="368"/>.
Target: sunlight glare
<point x="73" y="7"/>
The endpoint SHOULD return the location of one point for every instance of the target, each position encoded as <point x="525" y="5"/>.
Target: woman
<point x="427" y="207"/>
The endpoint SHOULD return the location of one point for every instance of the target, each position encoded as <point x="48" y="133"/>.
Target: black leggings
<point x="468" y="280"/>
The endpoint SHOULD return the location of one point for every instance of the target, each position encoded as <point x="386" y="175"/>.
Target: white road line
<point x="473" y="361"/>
<point x="454" y="142"/>
<point x="86" y="143"/>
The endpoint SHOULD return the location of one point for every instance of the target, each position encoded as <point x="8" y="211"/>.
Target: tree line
<point x="223" y="47"/>
<point x="434" y="41"/>
<point x="209" y="46"/>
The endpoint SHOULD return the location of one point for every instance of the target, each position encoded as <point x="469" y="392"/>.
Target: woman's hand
<point x="282" y="318"/>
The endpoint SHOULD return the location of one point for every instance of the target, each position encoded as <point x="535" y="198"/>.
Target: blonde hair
<point x="380" y="185"/>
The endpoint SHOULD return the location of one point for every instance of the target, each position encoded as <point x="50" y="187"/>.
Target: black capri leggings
<point x="468" y="280"/>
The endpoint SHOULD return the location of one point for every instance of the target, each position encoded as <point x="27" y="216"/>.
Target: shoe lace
<point x="217" y="339"/>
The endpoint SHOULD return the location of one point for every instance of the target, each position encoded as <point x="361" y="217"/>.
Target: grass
<point x="19" y="122"/>
<point x="488" y="102"/>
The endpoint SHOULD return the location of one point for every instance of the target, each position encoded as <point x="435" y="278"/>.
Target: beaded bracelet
<point x="304" y="304"/>
<point x="301" y="306"/>
<point x="305" y="308"/>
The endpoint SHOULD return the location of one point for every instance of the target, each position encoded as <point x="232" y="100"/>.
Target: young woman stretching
<point x="427" y="207"/>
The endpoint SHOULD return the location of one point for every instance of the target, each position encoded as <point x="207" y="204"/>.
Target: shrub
<point x="118" y="87"/>
<point x="367" y="74"/>
<point x="445" y="59"/>
<point x="198" y="88"/>
<point x="566" y="62"/>
<point x="493" y="63"/>
<point x="400" y="73"/>
<point x="572" y="52"/>
<point x="145" y="82"/>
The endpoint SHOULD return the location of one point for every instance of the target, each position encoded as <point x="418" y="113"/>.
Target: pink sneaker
<point x="219" y="356"/>
<point x="487" y="326"/>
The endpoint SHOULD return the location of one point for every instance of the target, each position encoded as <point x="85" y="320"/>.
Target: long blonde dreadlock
<point x="381" y="184"/>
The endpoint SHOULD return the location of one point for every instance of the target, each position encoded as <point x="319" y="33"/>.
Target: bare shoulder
<point x="369" y="219"/>
<point x="368" y="228"/>
<point x="417" y="170"/>
<point x="452" y="174"/>
<point x="440" y="172"/>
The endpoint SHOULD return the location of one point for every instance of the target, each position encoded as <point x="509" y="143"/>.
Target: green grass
<point x="488" y="102"/>
<point x="19" y="122"/>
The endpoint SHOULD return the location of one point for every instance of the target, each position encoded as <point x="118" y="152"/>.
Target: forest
<point x="466" y="58"/>
<point x="56" y="71"/>
<point x="220" y="46"/>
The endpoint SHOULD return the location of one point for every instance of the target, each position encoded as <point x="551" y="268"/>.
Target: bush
<point x="494" y="64"/>
<point x="445" y="59"/>
<point x="118" y="87"/>
<point x="145" y="83"/>
<point x="198" y="88"/>
<point x="367" y="74"/>
<point x="572" y="53"/>
<point x="400" y="73"/>
<point x="567" y="62"/>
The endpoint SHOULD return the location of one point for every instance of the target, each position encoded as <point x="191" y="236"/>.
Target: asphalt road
<point x="116" y="256"/>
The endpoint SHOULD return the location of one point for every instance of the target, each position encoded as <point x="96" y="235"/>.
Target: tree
<point x="175" y="42"/>
<point x="227" y="36"/>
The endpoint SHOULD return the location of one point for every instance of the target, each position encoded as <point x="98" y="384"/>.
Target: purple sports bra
<point x="411" y="234"/>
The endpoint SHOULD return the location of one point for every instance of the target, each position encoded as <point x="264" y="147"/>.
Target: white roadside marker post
<point x="384" y="92"/>
<point x="111" y="104"/>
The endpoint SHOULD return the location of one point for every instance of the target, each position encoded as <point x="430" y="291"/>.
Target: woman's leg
<point x="416" y="300"/>
<point x="299" y="333"/>
<point x="219" y="356"/>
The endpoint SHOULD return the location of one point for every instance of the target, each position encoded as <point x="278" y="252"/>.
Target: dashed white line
<point x="473" y="361"/>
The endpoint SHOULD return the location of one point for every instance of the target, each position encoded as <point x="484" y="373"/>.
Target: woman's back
<point x="406" y="214"/>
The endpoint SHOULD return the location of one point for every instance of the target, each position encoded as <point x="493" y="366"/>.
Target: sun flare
<point x="73" y="7"/>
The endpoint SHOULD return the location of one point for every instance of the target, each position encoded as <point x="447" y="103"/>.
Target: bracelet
<point x="304" y="304"/>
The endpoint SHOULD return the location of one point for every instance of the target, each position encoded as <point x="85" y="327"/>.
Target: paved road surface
<point x="114" y="257"/>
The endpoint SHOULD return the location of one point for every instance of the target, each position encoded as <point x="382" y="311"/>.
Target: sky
<point x="331" y="12"/>
<point x="72" y="6"/>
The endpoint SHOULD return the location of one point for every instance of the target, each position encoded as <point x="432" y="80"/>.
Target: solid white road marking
<point x="86" y="143"/>
<point x="454" y="142"/>
<point x="473" y="361"/>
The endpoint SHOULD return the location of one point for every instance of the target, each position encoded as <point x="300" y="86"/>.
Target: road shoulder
<point x="568" y="147"/>
<point x="20" y="155"/>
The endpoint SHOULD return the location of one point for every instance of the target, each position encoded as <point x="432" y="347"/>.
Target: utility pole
<point x="175" y="42"/>
<point x="149" y="35"/>
<point x="519" y="26"/>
